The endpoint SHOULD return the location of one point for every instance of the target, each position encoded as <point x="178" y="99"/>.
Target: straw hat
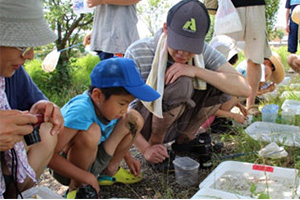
<point x="296" y="17"/>
<point x="296" y="14"/>
<point x="277" y="75"/>
<point x="22" y="24"/>
<point x="225" y="45"/>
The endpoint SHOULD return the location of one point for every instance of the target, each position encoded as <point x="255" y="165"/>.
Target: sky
<point x="280" y="20"/>
<point x="281" y="14"/>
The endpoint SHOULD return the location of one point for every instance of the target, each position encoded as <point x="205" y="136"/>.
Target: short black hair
<point x="110" y="91"/>
<point x="233" y="59"/>
<point x="272" y="65"/>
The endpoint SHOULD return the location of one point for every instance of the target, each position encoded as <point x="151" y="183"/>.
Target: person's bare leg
<point x="121" y="139"/>
<point x="294" y="62"/>
<point x="253" y="77"/>
<point x="195" y="123"/>
<point x="39" y="154"/>
<point x="83" y="150"/>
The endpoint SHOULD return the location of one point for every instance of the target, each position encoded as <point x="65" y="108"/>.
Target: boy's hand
<point x="92" y="180"/>
<point x="133" y="164"/>
<point x="156" y="153"/>
<point x="51" y="114"/>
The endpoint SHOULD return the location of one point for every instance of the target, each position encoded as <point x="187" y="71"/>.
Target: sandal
<point x="71" y="195"/>
<point x="122" y="176"/>
<point x="253" y="110"/>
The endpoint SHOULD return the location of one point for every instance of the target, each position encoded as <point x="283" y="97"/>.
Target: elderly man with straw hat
<point x="22" y="27"/>
<point x="294" y="59"/>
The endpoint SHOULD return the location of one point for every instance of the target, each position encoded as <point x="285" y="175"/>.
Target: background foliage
<point x="71" y="76"/>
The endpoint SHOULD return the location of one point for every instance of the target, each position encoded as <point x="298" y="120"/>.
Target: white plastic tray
<point x="270" y="132"/>
<point x="40" y="193"/>
<point x="285" y="81"/>
<point x="208" y="187"/>
<point x="291" y="104"/>
<point x="207" y="193"/>
<point x="290" y="94"/>
<point x="295" y="86"/>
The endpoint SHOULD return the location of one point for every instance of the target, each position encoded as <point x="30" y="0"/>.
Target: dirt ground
<point x="154" y="184"/>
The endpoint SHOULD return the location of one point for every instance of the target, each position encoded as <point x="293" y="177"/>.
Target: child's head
<point x="274" y="70"/>
<point x="122" y="72"/>
<point x="226" y="46"/>
<point x="115" y="82"/>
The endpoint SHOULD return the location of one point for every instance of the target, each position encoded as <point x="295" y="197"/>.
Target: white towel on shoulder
<point x="156" y="78"/>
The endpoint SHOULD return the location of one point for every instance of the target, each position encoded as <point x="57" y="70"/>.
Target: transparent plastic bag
<point x="227" y="18"/>
<point x="80" y="6"/>
<point x="272" y="150"/>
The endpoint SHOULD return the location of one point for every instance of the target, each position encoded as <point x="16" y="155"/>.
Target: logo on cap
<point x="190" y="26"/>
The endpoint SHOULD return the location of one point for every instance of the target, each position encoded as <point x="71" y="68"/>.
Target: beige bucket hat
<point x="22" y="24"/>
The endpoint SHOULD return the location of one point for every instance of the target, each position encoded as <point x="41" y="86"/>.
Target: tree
<point x="272" y="7"/>
<point x="70" y="29"/>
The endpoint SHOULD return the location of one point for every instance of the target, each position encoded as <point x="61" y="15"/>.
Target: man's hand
<point x="92" y="3"/>
<point x="177" y="70"/>
<point x="51" y="114"/>
<point x="87" y="39"/>
<point x="156" y="153"/>
<point x="14" y="125"/>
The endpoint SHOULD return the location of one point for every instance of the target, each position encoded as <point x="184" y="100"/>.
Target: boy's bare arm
<point x="61" y="165"/>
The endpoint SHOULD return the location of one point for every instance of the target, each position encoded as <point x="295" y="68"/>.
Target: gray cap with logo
<point x="187" y="22"/>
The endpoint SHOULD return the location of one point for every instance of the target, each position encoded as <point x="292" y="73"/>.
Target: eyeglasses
<point x="24" y="50"/>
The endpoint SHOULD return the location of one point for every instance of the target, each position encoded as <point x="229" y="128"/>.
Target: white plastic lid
<point x="186" y="163"/>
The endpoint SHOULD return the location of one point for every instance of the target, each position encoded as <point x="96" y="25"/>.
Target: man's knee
<point x="178" y="93"/>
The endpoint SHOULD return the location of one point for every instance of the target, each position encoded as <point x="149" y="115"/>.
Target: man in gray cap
<point x="190" y="76"/>
<point x="22" y="27"/>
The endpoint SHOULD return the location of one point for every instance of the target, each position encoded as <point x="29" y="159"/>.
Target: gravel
<point x="153" y="186"/>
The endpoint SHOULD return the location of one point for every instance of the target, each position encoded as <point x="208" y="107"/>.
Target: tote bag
<point x="227" y="18"/>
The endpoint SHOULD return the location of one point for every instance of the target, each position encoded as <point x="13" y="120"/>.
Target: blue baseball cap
<point x="121" y="72"/>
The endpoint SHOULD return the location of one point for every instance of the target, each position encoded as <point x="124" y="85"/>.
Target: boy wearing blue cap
<point x="99" y="128"/>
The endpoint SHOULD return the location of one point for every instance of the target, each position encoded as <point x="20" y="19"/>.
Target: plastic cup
<point x="269" y="113"/>
<point x="288" y="117"/>
<point x="186" y="171"/>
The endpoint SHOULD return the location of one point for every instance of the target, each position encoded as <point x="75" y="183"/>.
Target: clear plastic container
<point x="293" y="105"/>
<point x="269" y="113"/>
<point x="186" y="171"/>
<point x="280" y="133"/>
<point x="288" y="116"/>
